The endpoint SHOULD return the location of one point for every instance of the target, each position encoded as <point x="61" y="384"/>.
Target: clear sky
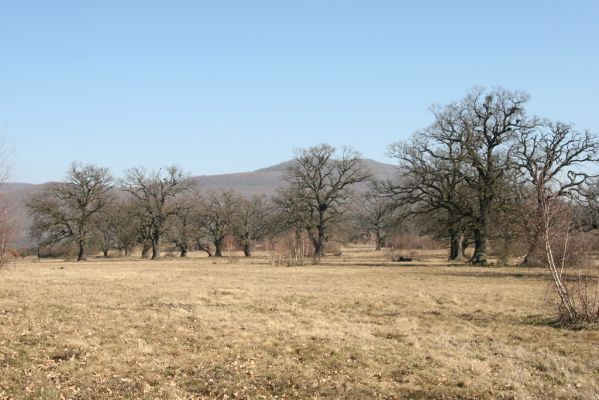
<point x="230" y="86"/>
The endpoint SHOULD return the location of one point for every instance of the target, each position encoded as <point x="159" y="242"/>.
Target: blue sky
<point x="228" y="86"/>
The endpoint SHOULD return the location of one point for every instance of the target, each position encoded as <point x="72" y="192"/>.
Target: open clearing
<point x="354" y="327"/>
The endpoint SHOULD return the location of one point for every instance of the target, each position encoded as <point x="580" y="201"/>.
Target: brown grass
<point x="357" y="326"/>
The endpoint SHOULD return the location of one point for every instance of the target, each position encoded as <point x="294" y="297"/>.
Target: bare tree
<point x="486" y="123"/>
<point x="215" y="218"/>
<point x="476" y="135"/>
<point x="251" y="222"/>
<point x="155" y="193"/>
<point x="552" y="158"/>
<point x="7" y="226"/>
<point x="319" y="187"/>
<point x="64" y="211"/>
<point x="7" y="231"/>
<point x="375" y="214"/>
<point x="103" y="228"/>
<point x="5" y="160"/>
<point x="430" y="182"/>
<point x="181" y="231"/>
<point x="117" y="226"/>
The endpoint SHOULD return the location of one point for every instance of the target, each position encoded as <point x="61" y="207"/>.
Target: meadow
<point x="358" y="326"/>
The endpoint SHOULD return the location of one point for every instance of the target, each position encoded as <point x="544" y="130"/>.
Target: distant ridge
<point x="277" y="167"/>
<point x="267" y="180"/>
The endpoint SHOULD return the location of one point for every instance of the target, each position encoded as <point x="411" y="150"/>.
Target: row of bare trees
<point x="480" y="172"/>
<point x="145" y="209"/>
<point x="149" y="208"/>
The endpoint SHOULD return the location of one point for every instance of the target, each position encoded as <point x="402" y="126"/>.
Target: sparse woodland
<point x="446" y="280"/>
<point x="485" y="178"/>
<point x="299" y="200"/>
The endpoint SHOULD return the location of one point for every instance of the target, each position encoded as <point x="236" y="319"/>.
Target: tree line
<point x="478" y="174"/>
<point x="150" y="208"/>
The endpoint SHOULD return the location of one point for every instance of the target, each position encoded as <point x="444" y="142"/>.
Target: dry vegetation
<point x="357" y="326"/>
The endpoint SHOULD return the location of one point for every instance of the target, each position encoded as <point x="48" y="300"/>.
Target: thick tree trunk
<point x="156" y="246"/>
<point x="456" y="243"/>
<point x="146" y="246"/>
<point x="105" y="252"/>
<point x="247" y="250"/>
<point x="465" y="245"/>
<point x="218" y="248"/>
<point x="82" y="256"/>
<point x="535" y="255"/>
<point x="320" y="244"/>
<point x="481" y="232"/>
<point x="201" y="247"/>
<point x="183" y="247"/>
<point x="480" y="247"/>
<point x="318" y="247"/>
<point x="378" y="240"/>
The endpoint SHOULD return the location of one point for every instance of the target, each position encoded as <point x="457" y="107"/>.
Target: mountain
<point x="268" y="180"/>
<point x="262" y="181"/>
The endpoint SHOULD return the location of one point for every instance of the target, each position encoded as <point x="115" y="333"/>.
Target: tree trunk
<point x="105" y="248"/>
<point x="218" y="248"/>
<point x="145" y="249"/>
<point x="456" y="245"/>
<point x="156" y="246"/>
<point x="320" y="243"/>
<point x="247" y="250"/>
<point x="480" y="247"/>
<point x="535" y="255"/>
<point x="183" y="247"/>
<point x="317" y="247"/>
<point x="82" y="256"/>
<point x="201" y="247"/>
<point x="378" y="240"/>
<point x="465" y="245"/>
<point x="481" y="232"/>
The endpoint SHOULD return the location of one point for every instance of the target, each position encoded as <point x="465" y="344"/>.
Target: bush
<point x="292" y="250"/>
<point x="568" y="254"/>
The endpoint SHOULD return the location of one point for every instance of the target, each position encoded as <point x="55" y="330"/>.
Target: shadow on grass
<point x="556" y="323"/>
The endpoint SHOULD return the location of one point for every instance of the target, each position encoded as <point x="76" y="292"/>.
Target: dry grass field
<point x="356" y="327"/>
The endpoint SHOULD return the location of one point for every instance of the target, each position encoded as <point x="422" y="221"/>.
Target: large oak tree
<point x="319" y="186"/>
<point x="155" y="193"/>
<point x="64" y="211"/>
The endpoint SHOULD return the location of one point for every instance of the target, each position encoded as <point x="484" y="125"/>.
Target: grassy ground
<point x="355" y="327"/>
